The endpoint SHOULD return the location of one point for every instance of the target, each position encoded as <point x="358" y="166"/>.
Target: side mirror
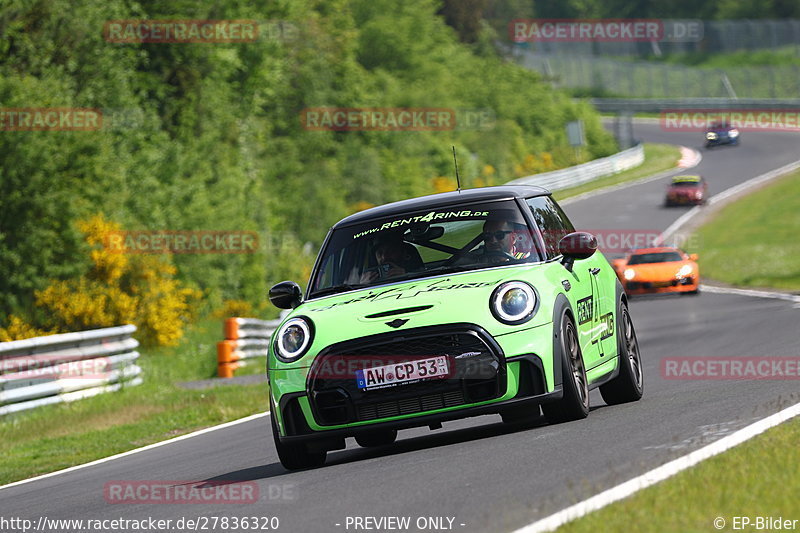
<point x="576" y="245"/>
<point x="285" y="295"/>
<point x="692" y="257"/>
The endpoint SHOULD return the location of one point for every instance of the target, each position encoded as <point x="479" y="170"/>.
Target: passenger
<point x="394" y="257"/>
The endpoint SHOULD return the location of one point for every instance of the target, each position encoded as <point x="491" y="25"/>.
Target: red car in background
<point x="686" y="190"/>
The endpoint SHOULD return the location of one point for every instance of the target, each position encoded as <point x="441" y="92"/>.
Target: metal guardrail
<point x="580" y="174"/>
<point x="245" y="339"/>
<point x="66" y="367"/>
<point x="656" y="105"/>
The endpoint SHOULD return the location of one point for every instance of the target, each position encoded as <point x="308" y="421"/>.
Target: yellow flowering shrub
<point x="19" y="329"/>
<point x="108" y="266"/>
<point x="118" y="289"/>
<point x="443" y="184"/>
<point x="231" y="308"/>
<point x="361" y="205"/>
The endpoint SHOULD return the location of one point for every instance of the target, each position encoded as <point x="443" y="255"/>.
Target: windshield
<point x="687" y="183"/>
<point x="658" y="257"/>
<point x="423" y="243"/>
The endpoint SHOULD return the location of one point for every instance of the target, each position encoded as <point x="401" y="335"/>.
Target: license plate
<point x="403" y="373"/>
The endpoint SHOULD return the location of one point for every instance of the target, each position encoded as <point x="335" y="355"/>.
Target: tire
<point x="295" y="456"/>
<point x="373" y="439"/>
<point x="628" y="386"/>
<point x="574" y="405"/>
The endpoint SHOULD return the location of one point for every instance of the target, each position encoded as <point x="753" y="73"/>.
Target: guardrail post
<point x="245" y="339"/>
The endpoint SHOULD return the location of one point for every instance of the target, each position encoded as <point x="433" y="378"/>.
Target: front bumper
<point x="721" y="141"/>
<point x="683" y="200"/>
<point x="688" y="284"/>
<point x="309" y="409"/>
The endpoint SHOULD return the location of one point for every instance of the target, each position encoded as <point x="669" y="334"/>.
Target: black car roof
<point x="501" y="192"/>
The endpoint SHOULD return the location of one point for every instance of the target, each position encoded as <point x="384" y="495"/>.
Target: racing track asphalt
<point x="484" y="474"/>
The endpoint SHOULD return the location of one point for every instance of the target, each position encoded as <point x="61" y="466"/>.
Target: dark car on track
<point x="686" y="190"/>
<point x="722" y="132"/>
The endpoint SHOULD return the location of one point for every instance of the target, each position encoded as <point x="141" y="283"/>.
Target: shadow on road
<point x="404" y="445"/>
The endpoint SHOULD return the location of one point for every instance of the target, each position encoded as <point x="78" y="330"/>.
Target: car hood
<point x="657" y="271"/>
<point x="449" y="299"/>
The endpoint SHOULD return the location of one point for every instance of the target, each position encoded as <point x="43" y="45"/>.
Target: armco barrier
<point x="580" y="174"/>
<point x="245" y="338"/>
<point x="66" y="367"/>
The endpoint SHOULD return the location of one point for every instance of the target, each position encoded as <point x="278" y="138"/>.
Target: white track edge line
<point x="137" y="450"/>
<point x="626" y="184"/>
<point x="658" y="474"/>
<point x="763" y="178"/>
<point x="750" y="292"/>
<point x="716" y="199"/>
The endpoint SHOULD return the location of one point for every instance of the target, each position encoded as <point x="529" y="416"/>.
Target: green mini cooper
<point x="444" y="307"/>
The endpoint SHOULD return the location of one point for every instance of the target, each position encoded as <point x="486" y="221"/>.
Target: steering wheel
<point x="496" y="256"/>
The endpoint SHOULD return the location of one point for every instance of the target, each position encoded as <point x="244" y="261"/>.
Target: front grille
<point x="633" y="285"/>
<point x="418" y="404"/>
<point x="477" y="366"/>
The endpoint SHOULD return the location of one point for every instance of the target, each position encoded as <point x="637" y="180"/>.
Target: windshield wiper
<point x="449" y="269"/>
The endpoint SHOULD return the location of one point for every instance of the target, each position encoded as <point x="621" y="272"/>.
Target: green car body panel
<point x="583" y="290"/>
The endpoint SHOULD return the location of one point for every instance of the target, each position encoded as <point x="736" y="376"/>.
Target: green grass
<point x="754" y="241"/>
<point x="58" y="436"/>
<point x="657" y="158"/>
<point x="756" y="478"/>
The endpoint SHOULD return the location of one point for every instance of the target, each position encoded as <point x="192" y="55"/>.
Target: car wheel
<point x="382" y="437"/>
<point x="574" y="405"/>
<point x="629" y="384"/>
<point x="295" y="456"/>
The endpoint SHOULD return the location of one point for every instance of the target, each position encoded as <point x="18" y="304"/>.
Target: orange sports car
<point x="654" y="270"/>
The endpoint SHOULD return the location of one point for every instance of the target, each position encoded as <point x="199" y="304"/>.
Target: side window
<point x="552" y="222"/>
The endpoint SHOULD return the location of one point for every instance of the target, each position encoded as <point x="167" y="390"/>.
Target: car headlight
<point x="684" y="271"/>
<point x="293" y="339"/>
<point x="711" y="135"/>
<point x="629" y="274"/>
<point x="733" y="133"/>
<point x="513" y="302"/>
